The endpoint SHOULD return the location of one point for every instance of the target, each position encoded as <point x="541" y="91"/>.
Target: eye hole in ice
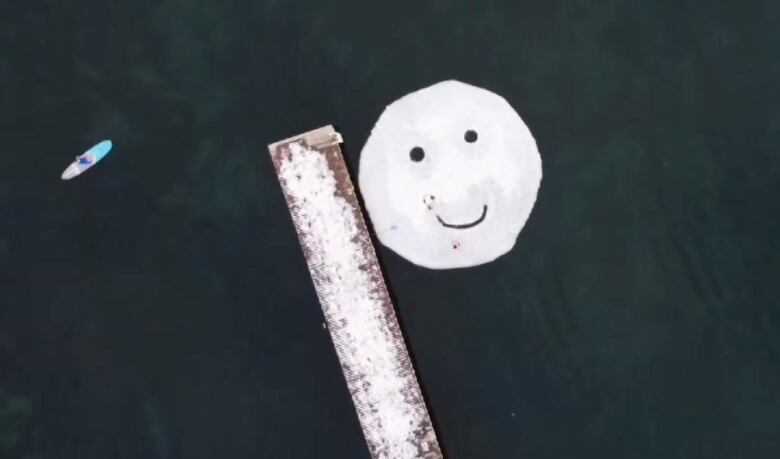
<point x="470" y="136"/>
<point x="417" y="154"/>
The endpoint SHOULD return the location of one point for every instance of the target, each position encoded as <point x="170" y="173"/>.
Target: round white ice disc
<point x="449" y="176"/>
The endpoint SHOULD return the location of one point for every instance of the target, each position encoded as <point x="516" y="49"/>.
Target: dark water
<point x="159" y="306"/>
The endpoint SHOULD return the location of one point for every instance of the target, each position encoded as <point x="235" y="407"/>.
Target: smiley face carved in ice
<point x="449" y="176"/>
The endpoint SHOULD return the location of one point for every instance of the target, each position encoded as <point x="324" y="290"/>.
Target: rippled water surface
<point x="158" y="306"/>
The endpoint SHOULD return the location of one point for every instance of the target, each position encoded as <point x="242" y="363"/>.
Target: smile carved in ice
<point x="465" y="225"/>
